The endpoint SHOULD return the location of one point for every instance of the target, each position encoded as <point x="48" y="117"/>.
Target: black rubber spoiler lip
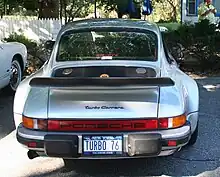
<point x="97" y="82"/>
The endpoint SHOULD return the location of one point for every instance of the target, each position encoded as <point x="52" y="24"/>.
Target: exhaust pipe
<point x="32" y="154"/>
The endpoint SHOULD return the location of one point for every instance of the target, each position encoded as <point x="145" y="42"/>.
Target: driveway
<point x="202" y="160"/>
<point x="6" y="115"/>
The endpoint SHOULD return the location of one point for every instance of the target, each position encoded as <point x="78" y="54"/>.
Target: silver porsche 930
<point x="111" y="89"/>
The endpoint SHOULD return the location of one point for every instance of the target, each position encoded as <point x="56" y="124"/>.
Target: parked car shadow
<point x="139" y="167"/>
<point x="7" y="124"/>
<point x="201" y="158"/>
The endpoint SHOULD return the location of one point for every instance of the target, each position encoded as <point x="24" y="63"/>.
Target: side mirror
<point x="49" y="44"/>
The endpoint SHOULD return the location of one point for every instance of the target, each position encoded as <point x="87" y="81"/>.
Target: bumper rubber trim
<point x="61" y="145"/>
<point x="146" y="145"/>
<point x="25" y="141"/>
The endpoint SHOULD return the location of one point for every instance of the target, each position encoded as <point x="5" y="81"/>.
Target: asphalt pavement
<point x="6" y="114"/>
<point x="202" y="160"/>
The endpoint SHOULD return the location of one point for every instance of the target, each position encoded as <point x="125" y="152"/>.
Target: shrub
<point x="200" y="41"/>
<point x="19" y="37"/>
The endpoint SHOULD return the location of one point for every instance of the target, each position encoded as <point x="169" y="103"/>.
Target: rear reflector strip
<point x="172" y="143"/>
<point x="103" y="125"/>
<point x="32" y="144"/>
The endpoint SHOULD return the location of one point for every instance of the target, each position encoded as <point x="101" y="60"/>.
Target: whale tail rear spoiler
<point x="88" y="82"/>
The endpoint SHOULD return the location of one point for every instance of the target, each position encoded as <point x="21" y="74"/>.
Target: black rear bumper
<point x="67" y="146"/>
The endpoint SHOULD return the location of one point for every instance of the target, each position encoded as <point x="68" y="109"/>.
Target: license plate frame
<point x="105" y="153"/>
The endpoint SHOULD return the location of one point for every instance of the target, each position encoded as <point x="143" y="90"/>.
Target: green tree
<point x="169" y="9"/>
<point x="48" y="8"/>
<point x="12" y="7"/>
<point x="120" y="7"/>
<point x="71" y="9"/>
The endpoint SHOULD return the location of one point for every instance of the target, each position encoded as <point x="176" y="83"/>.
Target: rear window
<point x="106" y="44"/>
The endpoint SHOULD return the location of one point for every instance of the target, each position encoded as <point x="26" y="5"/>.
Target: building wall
<point x="186" y="18"/>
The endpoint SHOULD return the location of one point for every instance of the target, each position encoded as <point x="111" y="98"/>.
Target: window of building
<point x="191" y="7"/>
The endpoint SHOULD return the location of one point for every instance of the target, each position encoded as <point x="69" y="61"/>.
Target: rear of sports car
<point x="101" y="123"/>
<point x="111" y="105"/>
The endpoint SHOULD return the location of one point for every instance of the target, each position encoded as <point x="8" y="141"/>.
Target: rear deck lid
<point x="101" y="104"/>
<point x="100" y="98"/>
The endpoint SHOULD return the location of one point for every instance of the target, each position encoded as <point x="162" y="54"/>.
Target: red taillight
<point x="172" y="122"/>
<point x="151" y="124"/>
<point x="163" y="123"/>
<point x="53" y="125"/>
<point x="172" y="143"/>
<point x="102" y="125"/>
<point x="32" y="144"/>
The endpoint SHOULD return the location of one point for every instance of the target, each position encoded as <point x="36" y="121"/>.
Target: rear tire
<point x="15" y="77"/>
<point x="194" y="136"/>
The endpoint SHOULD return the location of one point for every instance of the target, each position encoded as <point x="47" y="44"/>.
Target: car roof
<point x="110" y="22"/>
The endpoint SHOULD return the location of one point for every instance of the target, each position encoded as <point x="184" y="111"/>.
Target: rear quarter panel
<point x="186" y="86"/>
<point x="21" y="96"/>
<point x="191" y="94"/>
<point x="191" y="90"/>
<point x="186" y="92"/>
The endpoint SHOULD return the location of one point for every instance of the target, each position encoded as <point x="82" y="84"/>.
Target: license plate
<point x="109" y="145"/>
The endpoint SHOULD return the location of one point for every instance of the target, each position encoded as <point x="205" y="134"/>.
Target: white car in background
<point x="13" y="61"/>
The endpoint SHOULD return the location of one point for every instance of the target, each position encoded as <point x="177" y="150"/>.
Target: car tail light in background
<point x="104" y="125"/>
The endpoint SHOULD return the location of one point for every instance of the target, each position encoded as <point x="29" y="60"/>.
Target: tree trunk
<point x="95" y="12"/>
<point x="120" y="14"/>
<point x="65" y="13"/>
<point x="61" y="11"/>
<point x="174" y="12"/>
<point x="5" y="13"/>
<point x="48" y="9"/>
